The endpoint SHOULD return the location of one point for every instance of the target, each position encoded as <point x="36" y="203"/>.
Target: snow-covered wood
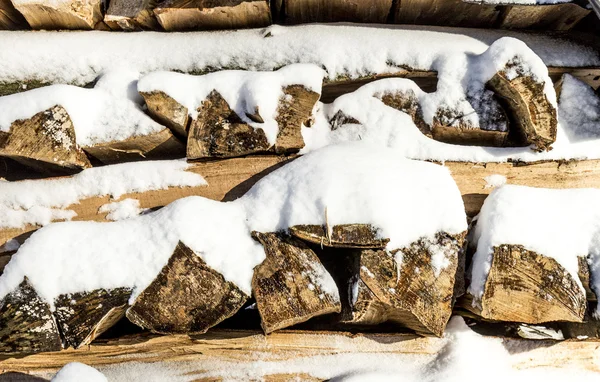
<point x="291" y="286"/>
<point x="61" y="14"/>
<point x="167" y="111"/>
<point x="131" y="15"/>
<point x="340" y="236"/>
<point x="178" y="15"/>
<point x="310" y="11"/>
<point x="187" y="296"/>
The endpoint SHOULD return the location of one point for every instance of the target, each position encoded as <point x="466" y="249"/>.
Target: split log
<point x="46" y="142"/>
<point x="10" y="18"/>
<point x="181" y="15"/>
<point x="82" y="317"/>
<point x="533" y="118"/>
<point x="186" y="297"/>
<point x="131" y="15"/>
<point x="341" y="236"/>
<point x="291" y="286"/>
<point x="308" y="11"/>
<point x="524" y="286"/>
<point x="26" y="323"/>
<point x="446" y="12"/>
<point x="168" y="112"/>
<point x="61" y="14"/>
<point x="295" y="109"/>
<point x="559" y="17"/>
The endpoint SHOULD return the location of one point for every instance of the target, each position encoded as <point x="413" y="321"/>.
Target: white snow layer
<point x="343" y="50"/>
<point x="78" y="372"/>
<point x="121" y="210"/>
<point x="39" y="202"/>
<point x="246" y="92"/>
<point x="561" y="224"/>
<point x="111" y="111"/>
<point x="352" y="183"/>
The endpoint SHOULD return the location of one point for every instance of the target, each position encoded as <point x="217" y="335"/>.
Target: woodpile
<point x="61" y="14"/>
<point x="131" y="15"/>
<point x="310" y="11"/>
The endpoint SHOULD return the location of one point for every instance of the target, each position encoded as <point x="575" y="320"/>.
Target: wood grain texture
<point x="543" y="17"/>
<point x="340" y="236"/>
<point x="131" y="15"/>
<point x="307" y="11"/>
<point x="10" y="18"/>
<point x="64" y="14"/>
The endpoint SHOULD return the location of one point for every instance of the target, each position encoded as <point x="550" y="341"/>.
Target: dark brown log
<point x="26" y="323"/>
<point x="65" y="14"/>
<point x="180" y="15"/>
<point x="341" y="236"/>
<point x="524" y="286"/>
<point x="46" y="141"/>
<point x="82" y="317"/>
<point x="545" y="17"/>
<point x="307" y="11"/>
<point x="186" y="297"/>
<point x="10" y="18"/>
<point x="131" y="15"/>
<point x="168" y="112"/>
<point x="446" y="12"/>
<point x="291" y="286"/>
<point x="533" y="118"/>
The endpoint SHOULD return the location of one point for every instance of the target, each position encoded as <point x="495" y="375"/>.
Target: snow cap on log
<point x="529" y="244"/>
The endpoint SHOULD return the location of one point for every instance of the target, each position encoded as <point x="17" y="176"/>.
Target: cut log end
<point x="295" y="109"/>
<point x="62" y="14"/>
<point x="167" y="111"/>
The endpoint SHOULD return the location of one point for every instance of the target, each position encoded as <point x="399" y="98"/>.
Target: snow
<point x="111" y="111"/>
<point x="342" y="50"/>
<point x="350" y="183"/>
<point x="580" y="110"/>
<point x="39" y="202"/>
<point x="121" y="210"/>
<point x="245" y="91"/>
<point x="560" y="224"/>
<point x="78" y="372"/>
<point x="494" y="180"/>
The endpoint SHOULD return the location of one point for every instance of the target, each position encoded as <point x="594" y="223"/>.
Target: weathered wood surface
<point x="83" y="316"/>
<point x="181" y="15"/>
<point x="131" y="15"/>
<point x="10" y="18"/>
<point x="45" y="141"/>
<point x="168" y="112"/>
<point x="187" y="296"/>
<point x="26" y="322"/>
<point x="242" y="347"/>
<point x="340" y="236"/>
<point x="290" y="286"/>
<point x="62" y="14"/>
<point x="307" y="11"/>
<point x="524" y="286"/>
<point x="230" y="178"/>
<point x="551" y="17"/>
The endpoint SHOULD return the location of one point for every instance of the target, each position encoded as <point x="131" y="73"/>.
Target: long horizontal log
<point x="241" y="347"/>
<point x="229" y="179"/>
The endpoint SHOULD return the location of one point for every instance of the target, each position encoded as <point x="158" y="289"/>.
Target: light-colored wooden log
<point x="131" y="15"/>
<point x="180" y="15"/>
<point x="10" y="18"/>
<point x="168" y="112"/>
<point x="340" y="236"/>
<point x="307" y="11"/>
<point x="61" y="14"/>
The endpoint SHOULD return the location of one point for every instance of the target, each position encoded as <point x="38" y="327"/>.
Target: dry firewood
<point x="61" y="14"/>
<point x="295" y="108"/>
<point x="291" y="286"/>
<point x="341" y="236"/>
<point x="306" y="11"/>
<point x="82" y="317"/>
<point x="45" y="141"/>
<point x="26" y="323"/>
<point x="10" y="18"/>
<point x="533" y="117"/>
<point x="178" y="15"/>
<point x="168" y="112"/>
<point x="524" y="286"/>
<point x="407" y="102"/>
<point x="545" y="17"/>
<point x="186" y="297"/>
<point x="130" y="15"/>
<point x="446" y="12"/>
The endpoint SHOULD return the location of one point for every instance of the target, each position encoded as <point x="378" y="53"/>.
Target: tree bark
<point x="64" y="14"/>
<point x="559" y="17"/>
<point x="131" y="15"/>
<point x="341" y="236"/>
<point x="186" y="297"/>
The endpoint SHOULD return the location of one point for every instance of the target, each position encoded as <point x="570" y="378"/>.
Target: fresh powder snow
<point x="121" y="210"/>
<point x="78" y="372"/>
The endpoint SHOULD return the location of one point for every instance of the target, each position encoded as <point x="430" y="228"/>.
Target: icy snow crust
<point x="246" y="92"/>
<point x="520" y="215"/>
<point x="111" y="111"/>
<point x="350" y="183"/>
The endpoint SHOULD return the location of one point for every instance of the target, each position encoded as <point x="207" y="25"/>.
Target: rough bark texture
<point x="65" y="14"/>
<point x="168" y="112"/>
<point x="161" y="145"/>
<point x="131" y="15"/>
<point x="524" y="286"/>
<point x="408" y="103"/>
<point x="533" y="117"/>
<point x="26" y="323"/>
<point x="547" y="17"/>
<point x="306" y="11"/>
<point x="341" y="236"/>
<point x="45" y="141"/>
<point x="290" y="285"/>
<point x="179" y="15"/>
<point x="295" y="110"/>
<point x="446" y="12"/>
<point x="82" y="317"/>
<point x="186" y="297"/>
<point x="10" y="18"/>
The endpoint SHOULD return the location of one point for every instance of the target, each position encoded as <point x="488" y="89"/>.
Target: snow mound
<point x="78" y="372"/>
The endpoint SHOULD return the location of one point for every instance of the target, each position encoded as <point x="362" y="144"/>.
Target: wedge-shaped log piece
<point x="45" y="141"/>
<point x="179" y="15"/>
<point x="61" y="14"/>
<point x="10" y="18"/>
<point x="168" y="112"/>
<point x="291" y="286"/>
<point x="533" y="117"/>
<point x="295" y="109"/>
<point x="524" y="286"/>
<point x="26" y="323"/>
<point x="131" y="15"/>
<point x="186" y="297"/>
<point x="341" y="236"/>
<point x="82" y="317"/>
<point x="306" y="11"/>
